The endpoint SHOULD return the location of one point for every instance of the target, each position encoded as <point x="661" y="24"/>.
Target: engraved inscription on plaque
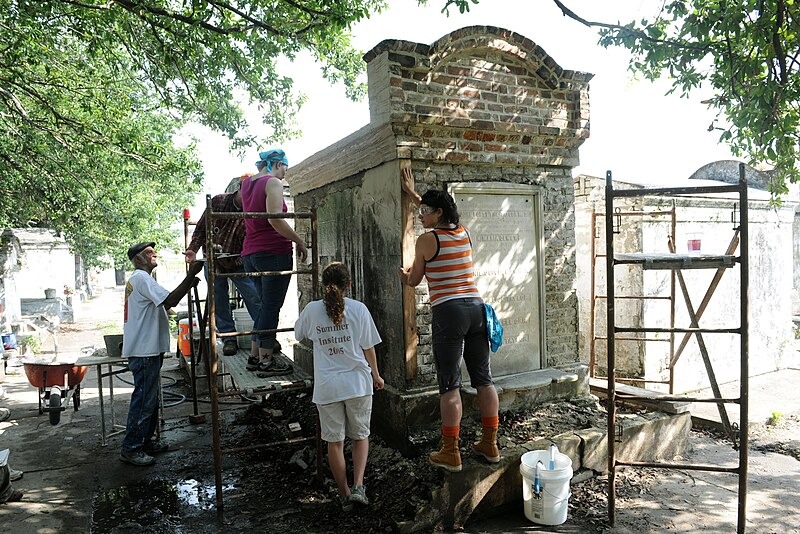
<point x="503" y="222"/>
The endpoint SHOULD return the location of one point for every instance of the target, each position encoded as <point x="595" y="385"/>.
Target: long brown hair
<point x="335" y="279"/>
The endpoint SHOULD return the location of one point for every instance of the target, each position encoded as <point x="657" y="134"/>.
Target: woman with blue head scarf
<point x="268" y="247"/>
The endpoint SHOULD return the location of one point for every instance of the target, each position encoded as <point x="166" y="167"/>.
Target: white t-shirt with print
<point x="146" y="328"/>
<point x="341" y="370"/>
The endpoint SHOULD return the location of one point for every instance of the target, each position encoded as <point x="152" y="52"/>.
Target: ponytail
<point x="335" y="278"/>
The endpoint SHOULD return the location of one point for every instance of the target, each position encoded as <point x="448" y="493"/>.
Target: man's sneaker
<point x="138" y="458"/>
<point x="155" y="447"/>
<point x="359" y="494"/>
<point x="11" y="495"/>
<point x="274" y="367"/>
<point x="14" y="475"/>
<point x="230" y="347"/>
<point x="345" y="503"/>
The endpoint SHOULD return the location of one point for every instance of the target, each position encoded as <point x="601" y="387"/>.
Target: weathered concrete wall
<point x="708" y="219"/>
<point x="358" y="223"/>
<point x="589" y="198"/>
<point x="10" y="264"/>
<point x="796" y="253"/>
<point x="45" y="262"/>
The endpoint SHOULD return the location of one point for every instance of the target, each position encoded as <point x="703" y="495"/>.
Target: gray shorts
<point x="459" y="331"/>
<point x="349" y="417"/>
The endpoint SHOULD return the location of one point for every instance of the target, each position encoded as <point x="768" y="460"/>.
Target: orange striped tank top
<point x="449" y="272"/>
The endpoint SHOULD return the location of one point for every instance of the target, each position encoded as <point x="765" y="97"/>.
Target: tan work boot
<point x="448" y="457"/>
<point x="487" y="446"/>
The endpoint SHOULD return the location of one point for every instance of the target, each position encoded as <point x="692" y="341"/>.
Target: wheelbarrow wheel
<point x="55" y="406"/>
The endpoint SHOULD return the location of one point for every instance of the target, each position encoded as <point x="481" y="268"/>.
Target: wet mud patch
<point x="155" y="506"/>
<point x="278" y="490"/>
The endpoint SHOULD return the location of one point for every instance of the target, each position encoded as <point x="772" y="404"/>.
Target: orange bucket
<point x="183" y="336"/>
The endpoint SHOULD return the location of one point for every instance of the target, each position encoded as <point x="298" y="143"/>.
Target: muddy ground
<point x="73" y="484"/>
<point x="277" y="490"/>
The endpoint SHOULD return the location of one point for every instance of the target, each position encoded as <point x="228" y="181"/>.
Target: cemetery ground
<point x="73" y="484"/>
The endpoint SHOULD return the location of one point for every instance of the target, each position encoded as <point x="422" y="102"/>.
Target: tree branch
<point x="628" y="31"/>
<point x="776" y="41"/>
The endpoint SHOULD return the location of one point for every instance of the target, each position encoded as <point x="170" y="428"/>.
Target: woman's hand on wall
<point x="404" y="273"/>
<point x="407" y="183"/>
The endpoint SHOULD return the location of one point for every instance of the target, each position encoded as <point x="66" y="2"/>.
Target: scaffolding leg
<point x="712" y="378"/>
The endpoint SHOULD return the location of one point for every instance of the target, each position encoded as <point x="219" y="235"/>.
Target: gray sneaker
<point x="138" y="458"/>
<point x="359" y="494"/>
<point x="345" y="503"/>
<point x="274" y="367"/>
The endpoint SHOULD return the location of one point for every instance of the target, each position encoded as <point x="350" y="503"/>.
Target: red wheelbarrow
<point x="54" y="380"/>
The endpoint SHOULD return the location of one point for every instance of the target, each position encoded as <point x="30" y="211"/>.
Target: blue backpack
<point x="493" y="328"/>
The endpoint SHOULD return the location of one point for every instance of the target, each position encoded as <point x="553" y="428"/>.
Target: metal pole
<point x="744" y="339"/>
<point x="195" y="406"/>
<point x="102" y="407"/>
<point x="315" y="295"/>
<point x="610" y="331"/>
<point x="673" y="229"/>
<point x="592" y="282"/>
<point x="212" y="355"/>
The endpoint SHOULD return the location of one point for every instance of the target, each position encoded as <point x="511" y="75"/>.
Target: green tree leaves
<point x="747" y="52"/>
<point x="92" y="93"/>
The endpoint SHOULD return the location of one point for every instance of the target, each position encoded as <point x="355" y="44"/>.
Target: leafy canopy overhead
<point x="747" y="52"/>
<point x="93" y="92"/>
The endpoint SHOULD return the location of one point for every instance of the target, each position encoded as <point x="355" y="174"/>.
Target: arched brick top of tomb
<point x="477" y="41"/>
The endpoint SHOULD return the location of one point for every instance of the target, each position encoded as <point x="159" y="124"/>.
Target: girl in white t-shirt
<point x="345" y="374"/>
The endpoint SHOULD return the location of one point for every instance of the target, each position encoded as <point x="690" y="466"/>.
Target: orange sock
<point x="450" y="431"/>
<point x="490" y="422"/>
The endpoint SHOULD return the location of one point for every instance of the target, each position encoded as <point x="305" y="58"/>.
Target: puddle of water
<point x="195" y="494"/>
<point x="155" y="505"/>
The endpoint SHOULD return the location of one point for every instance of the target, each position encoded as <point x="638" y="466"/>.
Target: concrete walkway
<point x="776" y="392"/>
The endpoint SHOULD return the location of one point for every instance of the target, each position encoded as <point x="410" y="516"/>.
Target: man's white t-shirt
<point x="341" y="370"/>
<point x="146" y="329"/>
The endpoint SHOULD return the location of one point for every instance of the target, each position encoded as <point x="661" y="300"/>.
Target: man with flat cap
<point x="145" y="340"/>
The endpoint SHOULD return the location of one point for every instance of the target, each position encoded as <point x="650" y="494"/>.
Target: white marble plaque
<point x="504" y="222"/>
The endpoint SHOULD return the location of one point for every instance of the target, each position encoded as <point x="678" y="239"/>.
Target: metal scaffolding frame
<point x="594" y="297"/>
<point x="677" y="262"/>
<point x="211" y="355"/>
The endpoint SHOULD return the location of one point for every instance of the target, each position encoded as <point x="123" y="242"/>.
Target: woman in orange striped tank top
<point x="443" y="256"/>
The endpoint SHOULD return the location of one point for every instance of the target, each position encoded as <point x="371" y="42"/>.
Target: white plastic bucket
<point x="243" y="322"/>
<point x="549" y="505"/>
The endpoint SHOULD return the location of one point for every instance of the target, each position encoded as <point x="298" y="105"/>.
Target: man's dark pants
<point x="143" y="411"/>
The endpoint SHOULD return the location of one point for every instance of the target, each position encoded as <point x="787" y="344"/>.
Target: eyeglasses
<point x="426" y="210"/>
